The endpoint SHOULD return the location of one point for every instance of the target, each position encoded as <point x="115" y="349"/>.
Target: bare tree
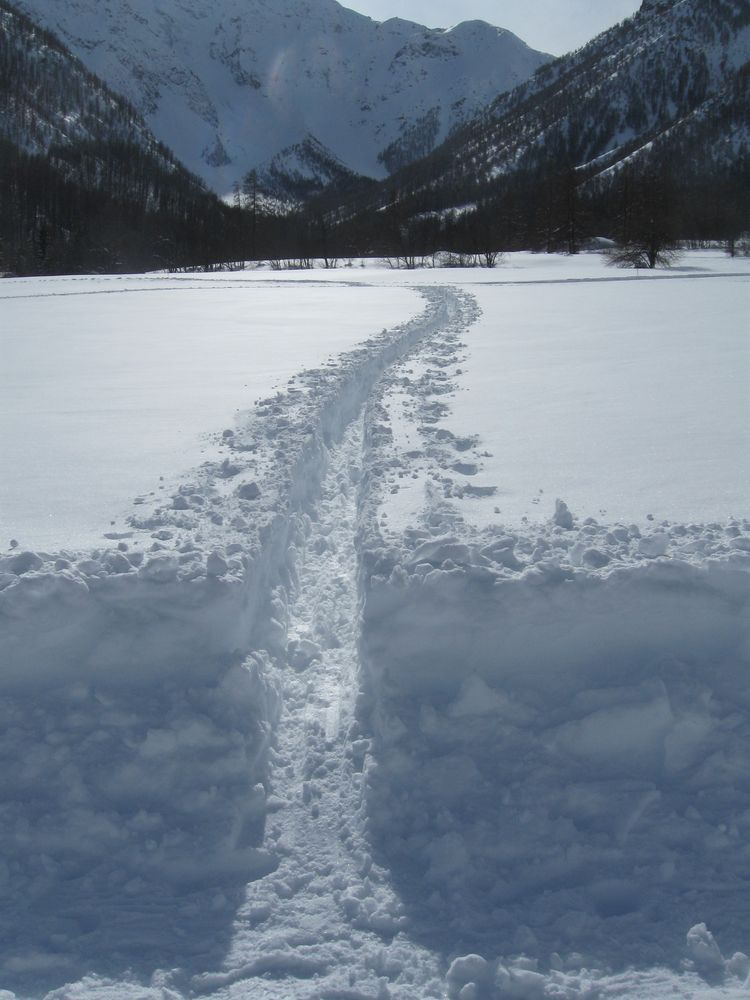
<point x="647" y="221"/>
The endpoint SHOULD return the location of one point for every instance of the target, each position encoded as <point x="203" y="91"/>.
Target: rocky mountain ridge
<point x="230" y="85"/>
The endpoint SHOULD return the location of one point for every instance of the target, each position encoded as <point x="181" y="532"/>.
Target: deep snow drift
<point x="557" y="701"/>
<point x="315" y="724"/>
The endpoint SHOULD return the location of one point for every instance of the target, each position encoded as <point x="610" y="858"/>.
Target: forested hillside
<point x="84" y="185"/>
<point x="641" y="136"/>
<point x="659" y="102"/>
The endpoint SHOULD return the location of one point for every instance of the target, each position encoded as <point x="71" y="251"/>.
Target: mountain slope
<point x="670" y="82"/>
<point x="84" y="184"/>
<point x="47" y="96"/>
<point x="230" y="85"/>
<point x="304" y="170"/>
<point x="631" y="85"/>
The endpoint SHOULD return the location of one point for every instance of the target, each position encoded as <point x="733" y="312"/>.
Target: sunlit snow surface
<point x="629" y="399"/>
<point x="427" y="678"/>
<point x="626" y="399"/>
<point x="106" y="384"/>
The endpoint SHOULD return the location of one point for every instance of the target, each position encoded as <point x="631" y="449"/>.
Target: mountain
<point x="303" y="171"/>
<point x="628" y="88"/>
<point x="669" y="86"/>
<point x="48" y="97"/>
<point x="230" y="85"/>
<point x="84" y="183"/>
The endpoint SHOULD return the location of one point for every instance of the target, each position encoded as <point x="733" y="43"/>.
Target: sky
<point x="555" y="26"/>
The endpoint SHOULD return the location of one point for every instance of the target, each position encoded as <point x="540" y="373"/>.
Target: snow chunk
<point x="25" y="562"/>
<point x="160" y="569"/>
<point x="704" y="951"/>
<point x="248" y="491"/>
<point x="653" y="546"/>
<point x="466" y="970"/>
<point x="476" y="698"/>
<point x="563" y="518"/>
<point x="216" y="564"/>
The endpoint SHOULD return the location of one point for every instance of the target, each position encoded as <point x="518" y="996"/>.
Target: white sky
<point x="555" y="26"/>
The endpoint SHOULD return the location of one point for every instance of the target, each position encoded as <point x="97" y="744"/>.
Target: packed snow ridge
<point x="449" y="760"/>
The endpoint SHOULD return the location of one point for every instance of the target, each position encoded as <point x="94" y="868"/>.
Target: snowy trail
<point x="184" y="717"/>
<point x="371" y="750"/>
<point x="183" y="723"/>
<point x="328" y="912"/>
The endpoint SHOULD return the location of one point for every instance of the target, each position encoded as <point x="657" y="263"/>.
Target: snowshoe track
<point x="328" y="913"/>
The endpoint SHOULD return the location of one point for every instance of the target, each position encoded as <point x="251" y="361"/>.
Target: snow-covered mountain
<point x="47" y="97"/>
<point x="229" y="85"/>
<point x="84" y="182"/>
<point x="672" y="80"/>
<point x="632" y="86"/>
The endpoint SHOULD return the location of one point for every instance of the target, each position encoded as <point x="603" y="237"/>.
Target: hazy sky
<point x="555" y="26"/>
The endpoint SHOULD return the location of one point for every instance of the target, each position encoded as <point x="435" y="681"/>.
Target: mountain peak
<point x="229" y="85"/>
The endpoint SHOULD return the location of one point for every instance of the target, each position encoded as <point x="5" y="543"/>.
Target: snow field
<point x="596" y="394"/>
<point x="451" y="754"/>
<point x="109" y="386"/>
<point x="137" y="692"/>
<point x="626" y="396"/>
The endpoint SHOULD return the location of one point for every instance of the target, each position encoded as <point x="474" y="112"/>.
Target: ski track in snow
<point x="328" y="912"/>
<point x="291" y="534"/>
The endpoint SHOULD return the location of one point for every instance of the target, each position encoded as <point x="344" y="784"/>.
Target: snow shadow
<point x="132" y="818"/>
<point x="115" y="932"/>
<point x="136" y="714"/>
<point x="561" y="762"/>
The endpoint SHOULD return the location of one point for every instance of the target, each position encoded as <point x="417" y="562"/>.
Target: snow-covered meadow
<point x="109" y="383"/>
<point x="421" y="672"/>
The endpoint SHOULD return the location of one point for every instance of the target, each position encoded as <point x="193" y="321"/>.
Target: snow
<point x="593" y="394"/>
<point x="157" y="363"/>
<point x="228" y="86"/>
<point x="291" y="735"/>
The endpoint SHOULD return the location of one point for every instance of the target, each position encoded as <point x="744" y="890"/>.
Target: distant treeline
<point x="113" y="210"/>
<point x="558" y="208"/>
<point x="116" y="207"/>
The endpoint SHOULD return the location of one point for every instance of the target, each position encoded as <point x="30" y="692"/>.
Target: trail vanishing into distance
<point x="324" y="721"/>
